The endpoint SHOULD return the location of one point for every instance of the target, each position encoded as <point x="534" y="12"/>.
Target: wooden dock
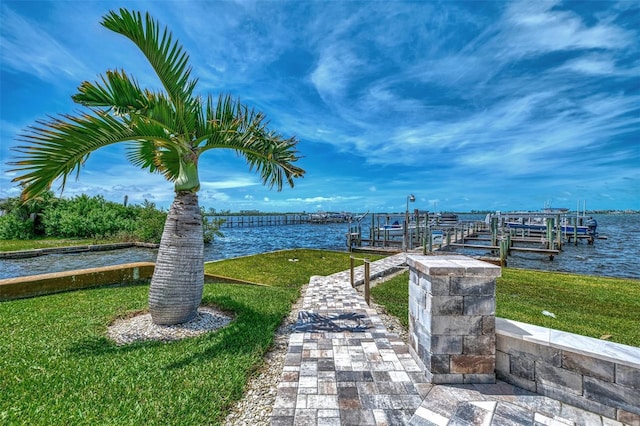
<point x="471" y="235"/>
<point x="512" y="248"/>
<point x="252" y="221"/>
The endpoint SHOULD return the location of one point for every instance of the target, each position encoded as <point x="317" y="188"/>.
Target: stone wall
<point x="593" y="374"/>
<point x="35" y="285"/>
<point x="452" y="317"/>
<point x="454" y="332"/>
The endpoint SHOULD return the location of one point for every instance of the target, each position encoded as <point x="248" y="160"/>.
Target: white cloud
<point x="334" y="71"/>
<point x="536" y="28"/>
<point x="229" y="183"/>
<point x="591" y="65"/>
<point x="27" y="47"/>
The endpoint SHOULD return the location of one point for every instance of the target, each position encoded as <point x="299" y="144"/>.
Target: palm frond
<point x="117" y="93"/>
<point x="167" y="57"/>
<point x="168" y="146"/>
<point x="56" y="148"/>
<point x="156" y="156"/>
<point x="233" y="126"/>
<point x="168" y="131"/>
<point x="273" y="158"/>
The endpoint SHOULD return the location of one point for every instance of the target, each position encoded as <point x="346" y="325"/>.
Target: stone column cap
<point x="452" y="265"/>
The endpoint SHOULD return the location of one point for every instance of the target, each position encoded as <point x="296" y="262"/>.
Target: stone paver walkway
<point x="344" y="368"/>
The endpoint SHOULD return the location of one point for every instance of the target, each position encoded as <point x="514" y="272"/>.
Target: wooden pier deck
<point x="513" y="248"/>
<point x="473" y="235"/>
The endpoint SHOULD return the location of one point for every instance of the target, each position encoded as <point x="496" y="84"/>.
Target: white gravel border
<point x="140" y="328"/>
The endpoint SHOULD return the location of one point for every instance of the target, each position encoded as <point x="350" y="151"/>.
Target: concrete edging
<point x="23" y="254"/>
<point x="37" y="285"/>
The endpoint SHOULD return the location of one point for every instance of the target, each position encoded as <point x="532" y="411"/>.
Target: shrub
<point x="88" y="217"/>
<point x="150" y="223"/>
<point x="13" y="227"/>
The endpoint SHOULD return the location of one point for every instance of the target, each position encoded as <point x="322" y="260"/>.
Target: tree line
<point x="83" y="216"/>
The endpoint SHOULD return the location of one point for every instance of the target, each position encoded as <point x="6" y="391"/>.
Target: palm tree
<point x="166" y="132"/>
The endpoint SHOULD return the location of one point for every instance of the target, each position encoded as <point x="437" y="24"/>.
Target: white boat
<point x="394" y="229"/>
<point x="445" y="219"/>
<point x="330" y="217"/>
<point x="537" y="221"/>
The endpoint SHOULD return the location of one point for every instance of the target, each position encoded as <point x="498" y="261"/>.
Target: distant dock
<point x="259" y="220"/>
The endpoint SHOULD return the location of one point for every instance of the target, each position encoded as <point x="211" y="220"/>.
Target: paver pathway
<point x="344" y="368"/>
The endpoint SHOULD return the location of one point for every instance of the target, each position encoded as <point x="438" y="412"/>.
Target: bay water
<point x="616" y="256"/>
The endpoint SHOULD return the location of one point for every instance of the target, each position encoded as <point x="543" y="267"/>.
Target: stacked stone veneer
<point x="596" y="375"/>
<point x="452" y="317"/>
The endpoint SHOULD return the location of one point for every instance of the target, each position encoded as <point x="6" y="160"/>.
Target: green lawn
<point x="394" y="296"/>
<point x="586" y="305"/>
<point x="583" y="304"/>
<point x="15" y="245"/>
<point x="283" y="268"/>
<point x="57" y="366"/>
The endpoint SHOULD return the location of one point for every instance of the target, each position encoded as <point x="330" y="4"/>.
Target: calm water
<point x="617" y="256"/>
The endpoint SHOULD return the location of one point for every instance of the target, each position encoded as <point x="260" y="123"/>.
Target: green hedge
<point x="80" y="217"/>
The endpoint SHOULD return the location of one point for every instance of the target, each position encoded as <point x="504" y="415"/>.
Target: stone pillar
<point x="452" y="305"/>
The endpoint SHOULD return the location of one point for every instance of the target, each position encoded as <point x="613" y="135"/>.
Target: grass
<point x="57" y="366"/>
<point x="283" y="268"/>
<point x="587" y="305"/>
<point x="15" y="245"/>
<point x="394" y="296"/>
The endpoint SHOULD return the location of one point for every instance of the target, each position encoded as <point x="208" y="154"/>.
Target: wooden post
<point x="374" y="229"/>
<point x="416" y="234"/>
<point x="494" y="231"/>
<point x="366" y="280"/>
<point x="559" y="232"/>
<point x="550" y="233"/>
<point x="351" y="263"/>
<point x="424" y="241"/>
<point x="426" y="223"/>
<point x="405" y="232"/>
<point x="503" y="252"/>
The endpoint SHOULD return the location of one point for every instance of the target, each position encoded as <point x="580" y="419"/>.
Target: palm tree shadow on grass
<point x="250" y="333"/>
<point x="100" y="346"/>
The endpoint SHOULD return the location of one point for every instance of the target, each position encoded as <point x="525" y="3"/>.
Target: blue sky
<point x="468" y="105"/>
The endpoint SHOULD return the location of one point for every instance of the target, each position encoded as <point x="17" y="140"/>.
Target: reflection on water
<point x="617" y="256"/>
<point x="67" y="262"/>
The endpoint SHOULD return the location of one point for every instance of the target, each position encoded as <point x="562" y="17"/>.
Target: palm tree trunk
<point x="178" y="278"/>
